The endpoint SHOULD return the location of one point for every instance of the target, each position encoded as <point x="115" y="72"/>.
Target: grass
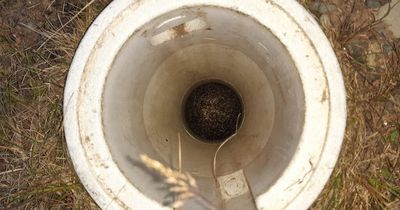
<point x="181" y="185"/>
<point x="35" y="170"/>
<point x="367" y="175"/>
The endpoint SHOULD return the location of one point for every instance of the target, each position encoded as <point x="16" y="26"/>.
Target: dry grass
<point x="367" y="175"/>
<point x="182" y="186"/>
<point x="35" y="171"/>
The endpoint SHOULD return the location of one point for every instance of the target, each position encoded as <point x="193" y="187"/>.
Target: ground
<point x="37" y="42"/>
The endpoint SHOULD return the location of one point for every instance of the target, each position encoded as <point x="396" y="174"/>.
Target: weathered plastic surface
<point x="139" y="58"/>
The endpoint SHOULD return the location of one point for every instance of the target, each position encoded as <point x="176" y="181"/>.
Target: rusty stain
<point x="324" y="96"/>
<point x="87" y="140"/>
<point x="180" y="30"/>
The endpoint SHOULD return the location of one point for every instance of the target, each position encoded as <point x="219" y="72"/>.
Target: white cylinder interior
<point x="160" y="63"/>
<point x="138" y="61"/>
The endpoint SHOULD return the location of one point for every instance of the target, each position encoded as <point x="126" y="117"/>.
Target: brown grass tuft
<point x="367" y="175"/>
<point x="35" y="171"/>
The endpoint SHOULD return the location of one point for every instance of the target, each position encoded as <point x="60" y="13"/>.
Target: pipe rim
<point x="101" y="176"/>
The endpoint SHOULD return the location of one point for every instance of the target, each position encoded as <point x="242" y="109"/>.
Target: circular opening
<point x="127" y="96"/>
<point x="146" y="94"/>
<point x="212" y="111"/>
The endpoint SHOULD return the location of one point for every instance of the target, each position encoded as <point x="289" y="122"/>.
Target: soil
<point x="21" y="22"/>
<point x="212" y="111"/>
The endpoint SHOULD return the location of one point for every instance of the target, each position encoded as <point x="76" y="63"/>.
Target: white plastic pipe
<point x="138" y="60"/>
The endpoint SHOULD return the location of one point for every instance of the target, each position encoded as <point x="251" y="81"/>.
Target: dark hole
<point x="213" y="111"/>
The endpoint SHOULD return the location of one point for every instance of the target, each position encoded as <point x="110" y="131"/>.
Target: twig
<point x="11" y="171"/>
<point x="35" y="30"/>
<point x="68" y="22"/>
<point x="376" y="22"/>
